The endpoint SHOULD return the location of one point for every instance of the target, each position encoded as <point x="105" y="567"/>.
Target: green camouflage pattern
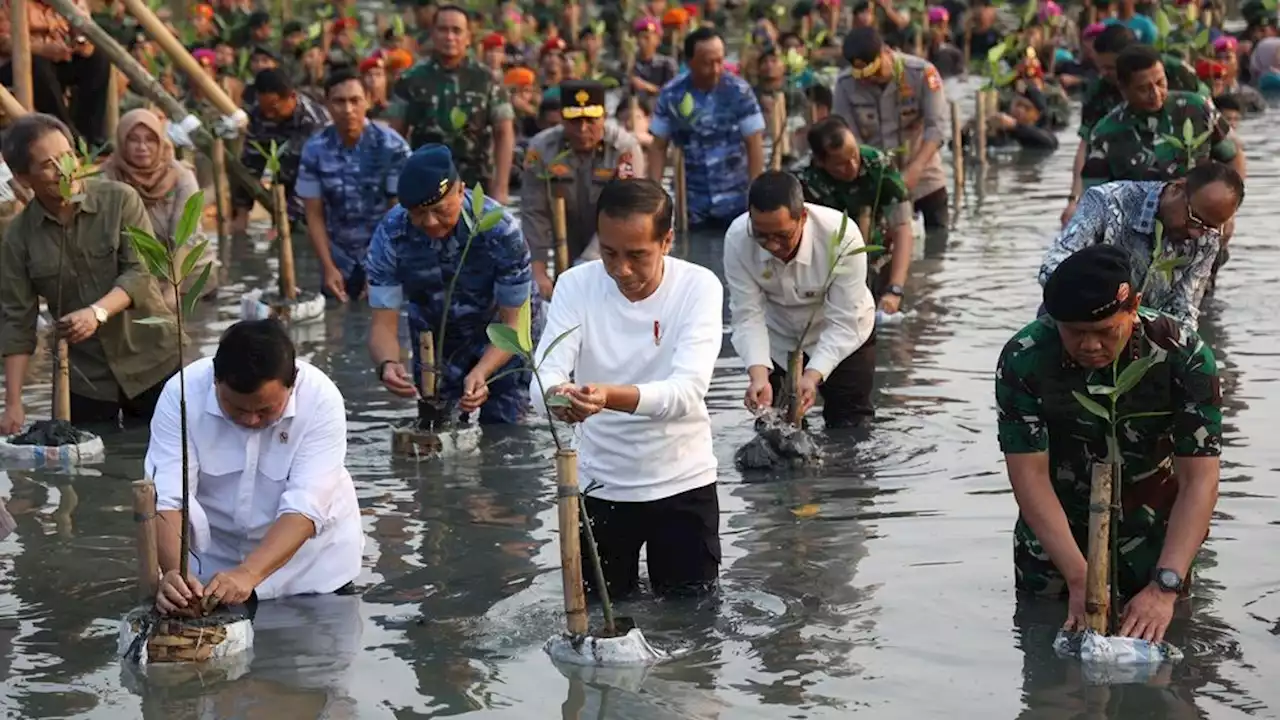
<point x="1129" y="145"/>
<point x="1101" y="96"/>
<point x="425" y="98"/>
<point x="876" y="169"/>
<point x="1035" y="378"/>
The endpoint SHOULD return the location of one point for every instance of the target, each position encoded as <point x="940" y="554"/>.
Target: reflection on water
<point x="880" y="582"/>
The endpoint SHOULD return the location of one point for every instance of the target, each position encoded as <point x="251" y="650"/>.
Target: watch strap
<point x="100" y="314"/>
<point x="895" y="290"/>
<point x="382" y="368"/>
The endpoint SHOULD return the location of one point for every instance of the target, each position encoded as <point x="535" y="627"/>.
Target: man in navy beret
<point x="421" y="249"/>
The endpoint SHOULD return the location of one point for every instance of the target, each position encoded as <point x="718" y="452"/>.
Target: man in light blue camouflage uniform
<point x="713" y="116"/>
<point x="418" y="251"/>
<point x="347" y="180"/>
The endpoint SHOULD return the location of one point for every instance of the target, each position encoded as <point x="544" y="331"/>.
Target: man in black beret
<point x="1098" y="353"/>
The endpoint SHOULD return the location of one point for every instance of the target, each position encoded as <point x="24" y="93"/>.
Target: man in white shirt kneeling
<point x="644" y="330"/>
<point x="778" y="259"/>
<point x="273" y="509"/>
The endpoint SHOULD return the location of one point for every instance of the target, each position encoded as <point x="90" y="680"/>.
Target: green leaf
<point x="686" y="105"/>
<point x="192" y="296"/>
<point x="1174" y="141"/>
<point x="558" y="401"/>
<point x="477" y="201"/>
<point x="509" y="371"/>
<point x="153" y="320"/>
<point x="1106" y="390"/>
<point x="1201" y="139"/>
<point x="490" y="220"/>
<point x="458" y="118"/>
<point x="559" y="339"/>
<point x="150" y="251"/>
<point x="1188" y="132"/>
<point x="1132" y="375"/>
<point x="837" y="237"/>
<point x="505" y="338"/>
<point x="190" y="219"/>
<point x="1162" y="23"/>
<point x="1088" y="404"/>
<point x="193" y="257"/>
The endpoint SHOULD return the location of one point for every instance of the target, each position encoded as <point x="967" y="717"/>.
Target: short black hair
<point x="820" y="95"/>
<point x="293" y="26"/>
<point x="1135" y="59"/>
<point x="586" y="32"/>
<point x="828" y="134"/>
<point x="621" y="199"/>
<point x="450" y="7"/>
<point x="252" y="353"/>
<point x="1114" y="39"/>
<point x="789" y="35"/>
<point x="339" y="76"/>
<point x="700" y="35"/>
<point x="1208" y="173"/>
<point x="25" y="132"/>
<point x="1229" y="101"/>
<point x="258" y="18"/>
<point x="862" y="44"/>
<point x="775" y="189"/>
<point x="273" y="82"/>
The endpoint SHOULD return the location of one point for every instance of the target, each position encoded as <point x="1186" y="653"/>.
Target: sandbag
<point x="1109" y="660"/>
<point x="51" y="443"/>
<point x="631" y="649"/>
<point x="146" y="638"/>
<point x="777" y="444"/>
<point x="259" y="305"/>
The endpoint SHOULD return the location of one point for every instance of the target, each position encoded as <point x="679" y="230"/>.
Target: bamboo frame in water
<point x="20" y="39"/>
<point x="62" y="383"/>
<point x="427" y="351"/>
<point x="144" y="515"/>
<point x="284" y="236"/>
<point x="1097" y="579"/>
<point x="560" y="231"/>
<point x="980" y="129"/>
<point x="779" y="113"/>
<point x="682" y="195"/>
<point x="575" y="600"/>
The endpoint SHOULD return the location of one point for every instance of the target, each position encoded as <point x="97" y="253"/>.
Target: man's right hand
<point x="178" y="596"/>
<point x="12" y="421"/>
<point x="56" y="52"/>
<point x="545" y="286"/>
<point x="1075" y="607"/>
<point x="335" y="283"/>
<point x="1068" y="212"/>
<point x="396" y="379"/>
<point x="759" y="393"/>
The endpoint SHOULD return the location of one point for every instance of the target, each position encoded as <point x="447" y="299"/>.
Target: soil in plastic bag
<point x="777" y="444"/>
<point x="51" y="433"/>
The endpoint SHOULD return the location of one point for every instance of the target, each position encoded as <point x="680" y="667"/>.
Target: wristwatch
<point x="100" y="314"/>
<point x="1167" y="580"/>
<point x="895" y="290"/>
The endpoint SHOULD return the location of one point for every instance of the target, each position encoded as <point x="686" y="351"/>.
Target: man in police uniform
<point x="574" y="161"/>
<point x="895" y="102"/>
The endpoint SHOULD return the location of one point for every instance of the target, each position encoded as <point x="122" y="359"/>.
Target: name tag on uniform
<point x="604" y="173"/>
<point x="810" y="293"/>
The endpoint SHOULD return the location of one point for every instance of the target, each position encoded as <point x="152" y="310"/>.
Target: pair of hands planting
<point x="189" y="597"/>
<point x="584" y="401"/>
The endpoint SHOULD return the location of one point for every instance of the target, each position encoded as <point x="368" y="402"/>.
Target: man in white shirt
<point x="644" y="331"/>
<point x="786" y="272"/>
<point x="273" y="509"/>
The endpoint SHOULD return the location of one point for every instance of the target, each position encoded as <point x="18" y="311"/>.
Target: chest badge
<point x="284" y="436"/>
<point x="767" y="275"/>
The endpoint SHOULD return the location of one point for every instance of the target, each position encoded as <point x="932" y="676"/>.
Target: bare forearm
<point x="383" y="341"/>
<point x="15" y="373"/>
<point x="924" y="154"/>
<point x="755" y="155"/>
<point x="1077" y="182"/>
<point x="1188" y="524"/>
<point x="657" y="161"/>
<point x="1043" y="513"/>
<point x="622" y="398"/>
<point x="900" y="263"/>
<point x="115" y="302"/>
<point x="1238" y="161"/>
<point x="169" y="540"/>
<point x="318" y="233"/>
<point x="283" y="539"/>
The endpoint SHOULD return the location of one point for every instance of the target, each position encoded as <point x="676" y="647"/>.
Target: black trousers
<point x="846" y="394"/>
<point x="86" y="78"/>
<point x="680" y="534"/>
<point x="934" y="208"/>
<point x="135" y="410"/>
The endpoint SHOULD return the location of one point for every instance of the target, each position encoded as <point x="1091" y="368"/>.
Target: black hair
<point x="23" y="133"/>
<point x="1207" y="173"/>
<point x="775" y="189"/>
<point x="1135" y="59"/>
<point x="258" y="18"/>
<point x="828" y="134"/>
<point x="621" y="199"/>
<point x="339" y="76"/>
<point x="624" y="107"/>
<point x="789" y="35"/>
<point x="1229" y="101"/>
<point x="450" y="7"/>
<point x="291" y="27"/>
<point x="700" y="35"/>
<point x="252" y="353"/>
<point x="860" y="7"/>
<point x="585" y="32"/>
<point x="820" y="95"/>
<point x="862" y="45"/>
<point x="1114" y="39"/>
<point x="273" y="82"/>
<point x="266" y="52"/>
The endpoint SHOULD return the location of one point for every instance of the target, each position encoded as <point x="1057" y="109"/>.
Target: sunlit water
<point x="882" y="583"/>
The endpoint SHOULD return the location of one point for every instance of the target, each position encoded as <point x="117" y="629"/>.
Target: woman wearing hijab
<point x="146" y="162"/>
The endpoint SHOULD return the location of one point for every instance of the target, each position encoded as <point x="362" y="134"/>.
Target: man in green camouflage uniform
<point x="1169" y="439"/>
<point x="451" y="99"/>
<point x="849" y="177"/>
<point x="1145" y="138"/>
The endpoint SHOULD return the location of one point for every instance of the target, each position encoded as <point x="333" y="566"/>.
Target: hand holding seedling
<point x="78" y="326"/>
<point x="475" y="390"/>
<point x="808" y="389"/>
<point x="759" y="389"/>
<point x="396" y="379"/>
<point x="584" y="401"/>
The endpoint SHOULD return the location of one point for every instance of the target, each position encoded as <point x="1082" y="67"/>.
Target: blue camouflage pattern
<point x="409" y="269"/>
<point x="713" y="140"/>
<point x="290" y="135"/>
<point x="356" y="185"/>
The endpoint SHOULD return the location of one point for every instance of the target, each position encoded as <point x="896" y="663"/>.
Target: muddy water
<point x="881" y="583"/>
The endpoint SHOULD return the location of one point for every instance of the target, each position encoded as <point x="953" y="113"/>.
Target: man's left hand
<point x="585" y="401"/>
<point x="231" y="587"/>
<point x="1147" y="615"/>
<point x="79" y="325"/>
<point x="475" y="390"/>
<point x="808" y="389"/>
<point x="890" y="303"/>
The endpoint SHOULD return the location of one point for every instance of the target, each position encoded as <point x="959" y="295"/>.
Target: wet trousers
<point x="934" y="208"/>
<point x="846" y="394"/>
<point x="135" y="410"/>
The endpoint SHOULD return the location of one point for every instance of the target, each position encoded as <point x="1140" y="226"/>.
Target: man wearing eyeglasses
<point x="1190" y="215"/>
<point x="795" y="282"/>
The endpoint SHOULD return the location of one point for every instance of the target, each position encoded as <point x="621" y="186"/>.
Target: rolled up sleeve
<point x="163" y="462"/>
<point x="514" y="278"/>
<point x="750" y="117"/>
<point x="317" y="478"/>
<point x="308" y="186"/>
<point x="662" y="124"/>
<point x="132" y="275"/>
<point x="18" y="304"/>
<point x="746" y="299"/>
<point x="381" y="265"/>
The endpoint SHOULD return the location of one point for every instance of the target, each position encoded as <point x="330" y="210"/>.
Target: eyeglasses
<point x="1195" y="222"/>
<point x="774" y="239"/>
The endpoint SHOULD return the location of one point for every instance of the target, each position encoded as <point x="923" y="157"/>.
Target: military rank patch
<point x="932" y="80"/>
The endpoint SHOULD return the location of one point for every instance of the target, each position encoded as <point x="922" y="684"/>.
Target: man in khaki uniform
<point x="574" y="161"/>
<point x="895" y="102"/>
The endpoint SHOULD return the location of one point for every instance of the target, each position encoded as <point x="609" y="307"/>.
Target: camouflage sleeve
<point x="499" y="104"/>
<point x="513" y="277"/>
<point x="1097" y="162"/>
<point x="399" y="154"/>
<point x="1087" y="227"/>
<point x="662" y="125"/>
<point x="307" y="185"/>
<point x="1222" y="141"/>
<point x="398" y="107"/>
<point x="1018" y="420"/>
<point x="749" y="116"/>
<point x="1197" y="422"/>
<point x="382" y="262"/>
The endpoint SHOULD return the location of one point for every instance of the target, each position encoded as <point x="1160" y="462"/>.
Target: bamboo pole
<point x="144" y="514"/>
<point x="427" y="351"/>
<point x="559" y="228"/>
<point x="1097" y="592"/>
<point x="795" y="368"/>
<point x="10" y="106"/>
<point x="288" y="279"/>
<point x="864" y="224"/>
<point x="575" y="601"/>
<point x="957" y="145"/>
<point x="981" y="127"/>
<point x="682" y="195"/>
<point x="172" y="47"/>
<point x="23" y="86"/>
<point x="113" y="103"/>
<point x="221" y="192"/>
<point x="62" y="384"/>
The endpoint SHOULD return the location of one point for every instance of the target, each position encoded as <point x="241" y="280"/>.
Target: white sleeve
<point x="746" y="301"/>
<point x="699" y="338"/>
<point x="848" y="310"/>
<point x="555" y="365"/>
<point x="317" y="478"/>
<point x="163" y="462"/>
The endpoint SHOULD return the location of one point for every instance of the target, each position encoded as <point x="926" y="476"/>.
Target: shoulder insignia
<point x="625" y="169"/>
<point x="608" y="173"/>
<point x="531" y="156"/>
<point x="932" y="80"/>
<point x="560" y="170"/>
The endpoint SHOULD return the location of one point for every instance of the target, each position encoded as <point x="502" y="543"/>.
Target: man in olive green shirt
<point x="76" y="256"/>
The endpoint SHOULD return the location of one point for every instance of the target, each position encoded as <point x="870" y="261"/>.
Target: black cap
<point x="581" y="98"/>
<point x="263" y="50"/>
<point x="1092" y="284"/>
<point x="292" y="27"/>
<point x="863" y="45"/>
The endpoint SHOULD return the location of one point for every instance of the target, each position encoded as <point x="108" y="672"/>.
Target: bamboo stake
<point x="144" y="514"/>
<point x="10" y="106"/>
<point x="1097" y="592"/>
<point x="561" y="231"/>
<point x="682" y="195"/>
<point x="864" y="224"/>
<point x="172" y="47"/>
<point x="957" y="145"/>
<point x="981" y="128"/>
<point x="288" y="280"/>
<point x="427" y="351"/>
<point x="23" y="86"/>
<point x="777" y="115"/>
<point x="575" y="600"/>
<point x="795" y="368"/>
<point x="113" y="103"/>
<point x="221" y="192"/>
<point x="62" y="385"/>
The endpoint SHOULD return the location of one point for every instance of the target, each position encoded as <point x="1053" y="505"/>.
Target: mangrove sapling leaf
<point x="686" y="106"/>
<point x="1133" y="374"/>
<point x="490" y="220"/>
<point x="192" y="295"/>
<point x="1135" y="416"/>
<point x="1088" y="404"/>
<point x="458" y="119"/>
<point x="1100" y="389"/>
<point x="505" y="338"/>
<point x="193" y="257"/>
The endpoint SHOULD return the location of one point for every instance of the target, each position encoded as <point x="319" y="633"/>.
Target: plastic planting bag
<point x="1111" y="660"/>
<point x="777" y="444"/>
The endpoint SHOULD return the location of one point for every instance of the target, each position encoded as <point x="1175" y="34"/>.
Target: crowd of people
<point x="388" y="144"/>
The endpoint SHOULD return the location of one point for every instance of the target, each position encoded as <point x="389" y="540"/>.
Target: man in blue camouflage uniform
<point x="419" y="251"/>
<point x="347" y="180"/>
<point x="713" y="117"/>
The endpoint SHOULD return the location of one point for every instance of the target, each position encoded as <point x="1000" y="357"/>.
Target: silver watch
<point x="100" y="314"/>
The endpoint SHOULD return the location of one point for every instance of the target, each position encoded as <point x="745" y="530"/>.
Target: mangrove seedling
<point x="161" y="260"/>
<point x="1189" y="143"/>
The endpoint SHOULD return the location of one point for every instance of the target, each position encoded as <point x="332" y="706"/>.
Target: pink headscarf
<point x="938" y="16"/>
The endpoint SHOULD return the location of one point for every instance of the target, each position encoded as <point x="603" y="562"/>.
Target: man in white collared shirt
<point x="778" y="260"/>
<point x="273" y="509"/>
